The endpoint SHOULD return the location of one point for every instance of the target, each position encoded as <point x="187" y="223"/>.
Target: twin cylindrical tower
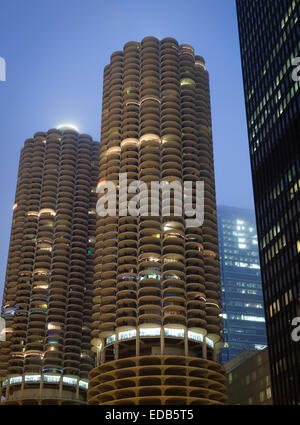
<point x="131" y="300"/>
<point x="156" y="313"/>
<point x="48" y="291"/>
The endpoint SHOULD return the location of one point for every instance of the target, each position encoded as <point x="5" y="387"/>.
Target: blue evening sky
<point x="56" y="50"/>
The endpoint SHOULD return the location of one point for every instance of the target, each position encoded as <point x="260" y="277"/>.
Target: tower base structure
<point x="43" y="389"/>
<point x="158" y="380"/>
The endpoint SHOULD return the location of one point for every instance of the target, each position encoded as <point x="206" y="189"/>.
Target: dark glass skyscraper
<point x="243" y="310"/>
<point x="269" y="40"/>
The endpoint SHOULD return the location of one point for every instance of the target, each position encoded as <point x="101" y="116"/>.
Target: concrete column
<point x="204" y="349"/>
<point x="7" y="390"/>
<point x="41" y="385"/>
<point x="60" y="387"/>
<point x="116" y="350"/>
<point x="137" y="342"/>
<point x="77" y="390"/>
<point x="22" y="386"/>
<point x="215" y="354"/>
<point x="162" y="342"/>
<point x="102" y="356"/>
<point x="186" y="343"/>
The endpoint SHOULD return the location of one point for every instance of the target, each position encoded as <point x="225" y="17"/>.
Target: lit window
<point x="150" y="276"/>
<point x="187" y="82"/>
<point x="10" y="311"/>
<point x="83" y="384"/>
<point x="44" y="247"/>
<point x="195" y="335"/>
<point x="47" y="211"/>
<point x="110" y="339"/>
<point x="252" y="318"/>
<point x="100" y="183"/>
<point x="15" y="380"/>
<point x="209" y="342"/>
<point x="259" y="346"/>
<point x="198" y="63"/>
<point x="254" y="266"/>
<point x="174" y="332"/>
<point x="69" y="381"/>
<point x="127" y="334"/>
<point x="115" y="149"/>
<point x="52" y="378"/>
<point x="156" y="99"/>
<point x="41" y="272"/>
<point x="33" y="213"/>
<point x="150" y="332"/>
<point x="126" y="142"/>
<point x="41" y="286"/>
<point x="32" y="378"/>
